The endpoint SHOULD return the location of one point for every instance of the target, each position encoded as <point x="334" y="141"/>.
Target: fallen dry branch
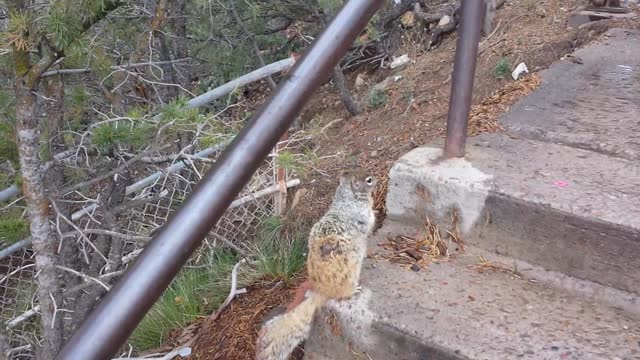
<point x="244" y="80"/>
<point x="232" y="294"/>
<point x="115" y="67"/>
<point x="182" y="352"/>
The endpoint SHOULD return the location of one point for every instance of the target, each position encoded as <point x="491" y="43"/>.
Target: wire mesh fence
<point x="160" y="198"/>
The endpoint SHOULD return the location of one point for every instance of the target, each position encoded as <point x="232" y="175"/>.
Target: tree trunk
<point x="345" y="95"/>
<point x="54" y="110"/>
<point x="113" y="197"/>
<point x="69" y="255"/>
<point x="338" y="79"/>
<point x="489" y="15"/>
<point x="171" y="92"/>
<point x="180" y="42"/>
<point x="49" y="296"/>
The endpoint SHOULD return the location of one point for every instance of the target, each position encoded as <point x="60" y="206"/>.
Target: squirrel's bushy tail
<point x="280" y="335"/>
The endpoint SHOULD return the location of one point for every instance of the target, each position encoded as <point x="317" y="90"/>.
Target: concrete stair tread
<point x="593" y="105"/>
<point x="452" y="311"/>
<point x="581" y="182"/>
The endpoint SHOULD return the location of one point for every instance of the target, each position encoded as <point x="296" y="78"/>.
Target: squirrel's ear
<point x="345" y="175"/>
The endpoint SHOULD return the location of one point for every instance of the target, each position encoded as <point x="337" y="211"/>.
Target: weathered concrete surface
<point x="593" y="106"/>
<point x="561" y="191"/>
<point x="566" y="209"/>
<point x="452" y="311"/>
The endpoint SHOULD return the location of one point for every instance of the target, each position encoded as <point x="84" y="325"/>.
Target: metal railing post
<point x="464" y="69"/>
<point x="109" y="325"/>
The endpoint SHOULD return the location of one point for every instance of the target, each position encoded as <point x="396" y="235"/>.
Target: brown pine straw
<point x="430" y="245"/>
<point x="233" y="335"/>
<point x="484" y="116"/>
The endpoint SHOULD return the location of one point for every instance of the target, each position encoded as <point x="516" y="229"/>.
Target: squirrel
<point x="337" y="248"/>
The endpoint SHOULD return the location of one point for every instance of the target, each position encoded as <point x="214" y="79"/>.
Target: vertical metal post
<point x="280" y="177"/>
<point x="116" y="316"/>
<point x="464" y="69"/>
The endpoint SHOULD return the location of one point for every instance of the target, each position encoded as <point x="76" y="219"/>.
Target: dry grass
<point x="484" y="266"/>
<point x="429" y="245"/>
<point x="484" y="116"/>
<point x="334" y="326"/>
<point x="380" y="196"/>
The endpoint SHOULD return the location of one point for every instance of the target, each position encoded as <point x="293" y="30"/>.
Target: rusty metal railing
<point x="116" y="316"/>
<point x="464" y="70"/>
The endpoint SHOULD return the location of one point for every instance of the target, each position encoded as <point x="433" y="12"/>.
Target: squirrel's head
<point x="360" y="182"/>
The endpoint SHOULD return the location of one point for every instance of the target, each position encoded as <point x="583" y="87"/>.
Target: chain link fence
<point x="164" y="190"/>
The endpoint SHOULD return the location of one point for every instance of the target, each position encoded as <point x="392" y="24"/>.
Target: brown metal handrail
<point x="116" y="316"/>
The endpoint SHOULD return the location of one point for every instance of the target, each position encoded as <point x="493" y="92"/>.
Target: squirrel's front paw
<point x="357" y="290"/>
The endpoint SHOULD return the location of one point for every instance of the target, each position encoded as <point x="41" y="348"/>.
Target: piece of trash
<point x="520" y="70"/>
<point x="561" y="183"/>
<point x="397" y="78"/>
<point x="185" y="351"/>
<point x="444" y="21"/>
<point x="400" y="61"/>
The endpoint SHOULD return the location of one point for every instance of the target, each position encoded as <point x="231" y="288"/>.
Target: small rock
<point x="444" y="21"/>
<point x="361" y="80"/>
<point x="408" y="19"/>
<point x="383" y="85"/>
<point x="400" y="61"/>
<point x="415" y="267"/>
<point x="541" y="12"/>
<point x="555" y="348"/>
<point x="520" y="70"/>
<point x="374" y="153"/>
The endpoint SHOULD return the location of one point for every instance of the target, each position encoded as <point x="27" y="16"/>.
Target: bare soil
<point x="414" y="114"/>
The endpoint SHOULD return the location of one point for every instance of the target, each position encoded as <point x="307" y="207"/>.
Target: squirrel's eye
<point x="369" y="180"/>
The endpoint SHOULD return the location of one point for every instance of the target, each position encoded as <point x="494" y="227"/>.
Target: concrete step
<point x="594" y="105"/>
<point x="569" y="210"/>
<point x="557" y="198"/>
<point x="451" y="311"/>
